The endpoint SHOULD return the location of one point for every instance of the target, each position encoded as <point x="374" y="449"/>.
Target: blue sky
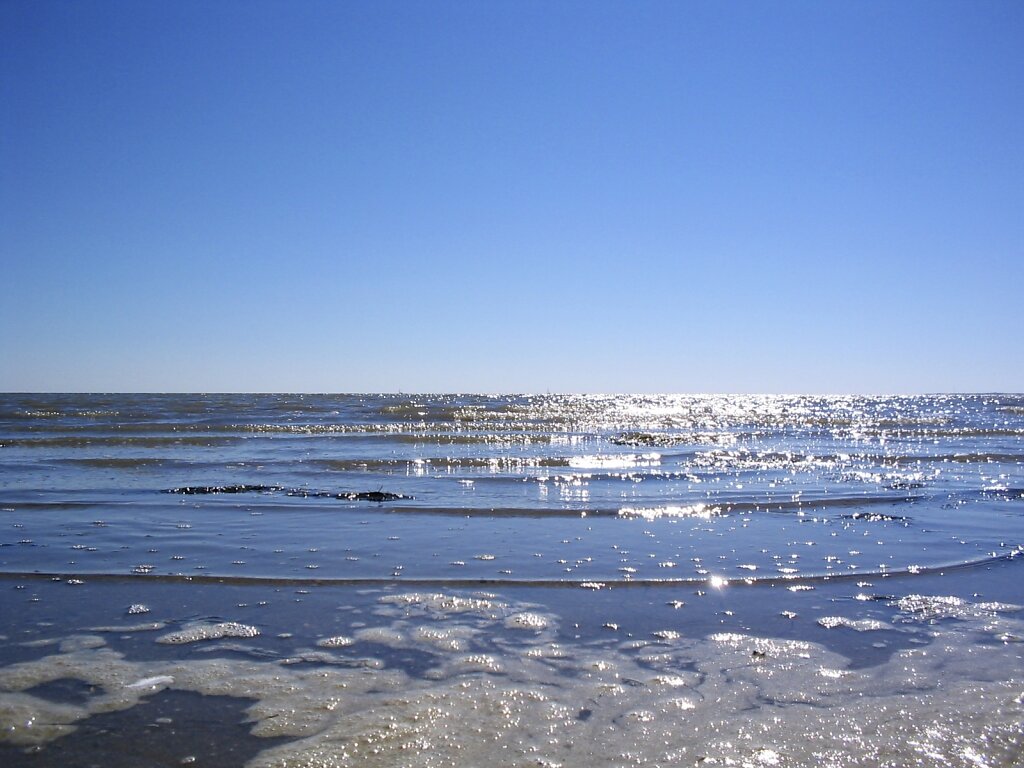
<point x="512" y="196"/>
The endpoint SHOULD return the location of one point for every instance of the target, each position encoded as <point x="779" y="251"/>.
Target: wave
<point x="501" y="463"/>
<point x="705" y="509"/>
<point x="127" y="463"/>
<point x="875" y="517"/>
<point x="31" y="414"/>
<point x="723" y="507"/>
<point x="653" y="513"/>
<point x="671" y="439"/>
<point x="805" y="503"/>
<point x="119" y="441"/>
<point x="58" y="505"/>
<point x="450" y="432"/>
<point x="479" y="438"/>
<point x="713" y="581"/>
<point x="1002" y="494"/>
<point x="453" y="413"/>
<point x="979" y="458"/>
<point x="750" y="461"/>
<point x="496" y="430"/>
<point x="495" y="463"/>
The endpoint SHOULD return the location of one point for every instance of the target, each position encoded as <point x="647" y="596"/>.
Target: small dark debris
<point x="372" y="496"/>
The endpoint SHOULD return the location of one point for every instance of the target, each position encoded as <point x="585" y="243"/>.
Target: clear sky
<point x="512" y="196"/>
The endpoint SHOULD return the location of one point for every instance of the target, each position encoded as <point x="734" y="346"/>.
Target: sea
<point x="286" y="580"/>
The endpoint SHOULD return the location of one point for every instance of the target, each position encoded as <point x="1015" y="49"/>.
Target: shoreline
<point x="433" y="644"/>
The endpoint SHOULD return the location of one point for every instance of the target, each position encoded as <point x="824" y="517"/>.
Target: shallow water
<point x="576" y="579"/>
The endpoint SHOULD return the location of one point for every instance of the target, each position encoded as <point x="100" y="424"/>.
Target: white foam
<point x="527" y="620"/>
<point x="441" y="603"/>
<point x="198" y="631"/>
<point x="338" y="641"/>
<point x="443" y="638"/>
<point x="861" y="625"/>
<point x="933" y="607"/>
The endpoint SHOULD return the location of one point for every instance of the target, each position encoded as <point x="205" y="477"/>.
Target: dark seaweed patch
<point x="199" y="490"/>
